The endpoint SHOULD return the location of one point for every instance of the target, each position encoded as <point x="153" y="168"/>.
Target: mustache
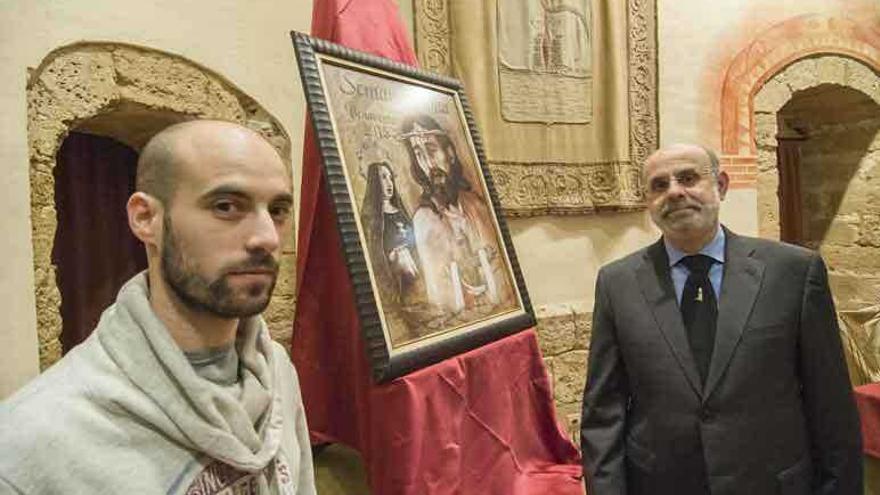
<point x="670" y="208"/>
<point x="437" y="173"/>
<point x="259" y="262"/>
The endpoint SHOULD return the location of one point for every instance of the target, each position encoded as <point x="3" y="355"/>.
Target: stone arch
<point x="802" y="75"/>
<point x="773" y="50"/>
<point x="127" y="93"/>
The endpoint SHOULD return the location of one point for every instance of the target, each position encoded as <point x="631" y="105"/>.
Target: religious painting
<point x="565" y="92"/>
<point x="429" y="256"/>
<point x="545" y="60"/>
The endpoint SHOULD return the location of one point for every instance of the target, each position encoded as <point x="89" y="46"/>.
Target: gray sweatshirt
<point x="125" y="412"/>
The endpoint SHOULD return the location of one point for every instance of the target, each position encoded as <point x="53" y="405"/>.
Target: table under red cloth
<point x="868" y="402"/>
<point x="479" y="423"/>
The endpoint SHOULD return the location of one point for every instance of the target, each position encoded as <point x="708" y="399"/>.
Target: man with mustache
<point x="715" y="362"/>
<point x="179" y="389"/>
<point x="453" y="229"/>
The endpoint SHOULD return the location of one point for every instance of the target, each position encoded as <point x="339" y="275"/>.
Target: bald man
<point x="180" y="389"/>
<point x="715" y="360"/>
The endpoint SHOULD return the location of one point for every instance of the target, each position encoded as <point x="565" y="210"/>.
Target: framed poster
<point x="430" y="259"/>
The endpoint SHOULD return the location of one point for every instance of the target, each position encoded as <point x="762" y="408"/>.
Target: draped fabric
<point x="327" y="348"/>
<point x="443" y="428"/>
<point x="868" y="402"/>
<point x="94" y="251"/>
<point x="602" y="133"/>
<point x="860" y="332"/>
<point x="561" y="91"/>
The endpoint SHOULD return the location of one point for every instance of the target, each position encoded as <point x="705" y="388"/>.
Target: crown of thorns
<point x="419" y="131"/>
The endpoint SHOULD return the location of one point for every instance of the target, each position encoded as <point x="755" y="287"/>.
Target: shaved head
<point x="695" y="152"/>
<point x="684" y="191"/>
<point x="158" y="167"/>
<point x="213" y="206"/>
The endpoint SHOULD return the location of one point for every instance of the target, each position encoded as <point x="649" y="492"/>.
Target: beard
<point x="217" y="297"/>
<point x="442" y="189"/>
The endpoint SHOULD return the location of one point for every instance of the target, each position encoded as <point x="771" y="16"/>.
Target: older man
<point x="715" y="363"/>
<point x="179" y="389"/>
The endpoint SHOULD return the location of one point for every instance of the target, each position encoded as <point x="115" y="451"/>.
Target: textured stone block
<point x="843" y="230"/>
<point x="869" y="230"/>
<point x="801" y="75"/>
<point x="81" y="82"/>
<point x="583" y="324"/>
<point x="556" y="334"/>
<point x="765" y="129"/>
<point x="832" y="70"/>
<point x="858" y="76"/>
<point x="771" y="97"/>
<point x="569" y="376"/>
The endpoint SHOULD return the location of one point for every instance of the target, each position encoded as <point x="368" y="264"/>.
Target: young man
<point x="179" y="389"/>
<point x="715" y="363"/>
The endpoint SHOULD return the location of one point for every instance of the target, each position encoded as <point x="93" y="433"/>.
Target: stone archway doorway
<point x="819" y="169"/>
<point x="825" y="138"/>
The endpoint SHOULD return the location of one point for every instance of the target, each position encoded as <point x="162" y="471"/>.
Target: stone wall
<point x="564" y="337"/>
<point x="833" y="103"/>
<point x="840" y="188"/>
<point x="807" y="78"/>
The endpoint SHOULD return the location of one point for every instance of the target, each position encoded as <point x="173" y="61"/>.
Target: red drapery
<point x="322" y="279"/>
<point x="868" y="402"/>
<point x="482" y="422"/>
<point x="94" y="250"/>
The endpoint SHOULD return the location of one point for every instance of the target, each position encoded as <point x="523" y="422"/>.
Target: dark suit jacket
<point x="776" y="414"/>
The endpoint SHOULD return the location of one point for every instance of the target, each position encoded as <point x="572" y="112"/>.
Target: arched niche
<point x="803" y="76"/>
<point x="777" y="48"/>
<point x="127" y="93"/>
<point x="767" y="54"/>
<point x="817" y="121"/>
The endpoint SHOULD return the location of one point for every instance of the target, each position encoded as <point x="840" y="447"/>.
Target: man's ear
<point x="145" y="217"/>
<point x="723" y="183"/>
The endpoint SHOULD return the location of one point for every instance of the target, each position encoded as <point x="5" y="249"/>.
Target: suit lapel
<point x="656" y="286"/>
<point x="739" y="288"/>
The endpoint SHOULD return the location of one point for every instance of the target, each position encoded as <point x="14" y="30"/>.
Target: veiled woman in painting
<point x="388" y="229"/>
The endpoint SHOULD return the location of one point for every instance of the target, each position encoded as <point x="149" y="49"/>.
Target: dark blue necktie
<point x="699" y="310"/>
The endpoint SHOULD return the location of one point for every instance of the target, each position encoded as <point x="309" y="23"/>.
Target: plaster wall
<point x="245" y="42"/>
<point x="697" y="42"/>
<point x="560" y="256"/>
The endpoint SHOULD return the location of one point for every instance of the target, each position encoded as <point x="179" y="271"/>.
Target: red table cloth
<point x="868" y="402"/>
<point x="480" y="423"/>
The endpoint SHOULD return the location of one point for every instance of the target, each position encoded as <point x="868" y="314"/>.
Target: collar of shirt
<point x="679" y="273"/>
<point x="714" y="249"/>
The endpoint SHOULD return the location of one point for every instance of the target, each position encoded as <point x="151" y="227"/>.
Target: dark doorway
<point x="825" y="134"/>
<point x="94" y="251"/>
<point x="788" y="163"/>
